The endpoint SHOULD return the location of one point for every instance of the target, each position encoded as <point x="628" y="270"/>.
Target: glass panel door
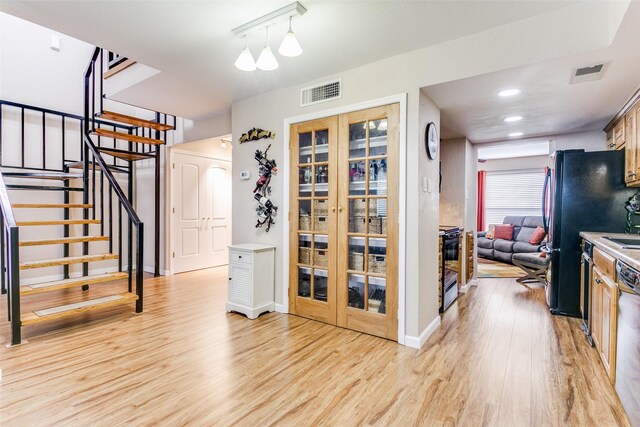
<point x="368" y="188"/>
<point x="313" y="219"/>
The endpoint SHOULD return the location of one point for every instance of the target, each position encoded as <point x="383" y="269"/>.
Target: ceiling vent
<point x="587" y="74"/>
<point x="321" y="93"/>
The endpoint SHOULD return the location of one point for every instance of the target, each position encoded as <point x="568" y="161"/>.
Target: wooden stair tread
<point x="67" y="260"/>
<point x="71" y="283"/>
<point x="42" y="175"/>
<point x="41" y="188"/>
<point x="78" y="307"/>
<point x="112" y="168"/>
<point x="64" y="240"/>
<point x="51" y="205"/>
<point x="124" y="155"/>
<point x="123" y="118"/>
<point x="57" y="222"/>
<point x="120" y="67"/>
<point x="105" y="133"/>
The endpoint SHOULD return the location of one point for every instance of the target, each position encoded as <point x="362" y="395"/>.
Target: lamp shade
<point x="290" y="46"/>
<point x="267" y="61"/>
<point x="245" y="61"/>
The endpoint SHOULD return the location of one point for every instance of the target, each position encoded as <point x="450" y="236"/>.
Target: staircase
<point x="74" y="206"/>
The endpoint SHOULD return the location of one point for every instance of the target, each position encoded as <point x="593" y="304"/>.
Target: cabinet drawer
<point x="242" y="257"/>
<point x="605" y="262"/>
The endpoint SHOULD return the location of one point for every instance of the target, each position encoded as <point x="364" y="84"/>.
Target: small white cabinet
<point x="251" y="279"/>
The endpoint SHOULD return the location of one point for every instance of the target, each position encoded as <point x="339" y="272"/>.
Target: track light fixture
<point x="289" y="46"/>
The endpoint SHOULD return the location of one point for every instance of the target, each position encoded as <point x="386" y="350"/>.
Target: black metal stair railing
<point x="10" y="262"/>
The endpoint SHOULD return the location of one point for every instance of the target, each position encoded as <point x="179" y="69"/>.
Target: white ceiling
<point x="548" y="103"/>
<point x="192" y="44"/>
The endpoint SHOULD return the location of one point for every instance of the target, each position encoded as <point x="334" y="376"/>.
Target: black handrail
<point x="91" y="151"/>
<point x="10" y="233"/>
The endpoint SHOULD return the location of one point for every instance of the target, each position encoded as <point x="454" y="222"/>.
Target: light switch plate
<point x="245" y="175"/>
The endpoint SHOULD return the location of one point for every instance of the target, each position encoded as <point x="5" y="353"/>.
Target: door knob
<point x="333" y="208"/>
<point x="340" y="209"/>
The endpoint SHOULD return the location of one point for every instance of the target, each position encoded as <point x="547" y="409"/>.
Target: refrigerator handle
<point x="545" y="219"/>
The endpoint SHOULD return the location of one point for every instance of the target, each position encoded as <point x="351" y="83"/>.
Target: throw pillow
<point x="491" y="232"/>
<point x="538" y="236"/>
<point x="504" y="231"/>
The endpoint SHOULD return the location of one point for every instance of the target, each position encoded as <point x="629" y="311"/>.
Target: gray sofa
<point x="503" y="250"/>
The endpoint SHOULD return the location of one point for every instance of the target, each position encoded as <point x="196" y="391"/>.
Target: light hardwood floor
<point x="499" y="359"/>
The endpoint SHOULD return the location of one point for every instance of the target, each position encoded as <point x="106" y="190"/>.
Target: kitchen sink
<point x="625" y="242"/>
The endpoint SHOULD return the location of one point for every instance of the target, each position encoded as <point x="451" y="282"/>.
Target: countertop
<point x="628" y="256"/>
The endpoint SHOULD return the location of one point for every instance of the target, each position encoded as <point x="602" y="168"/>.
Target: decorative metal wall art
<point x="266" y="210"/>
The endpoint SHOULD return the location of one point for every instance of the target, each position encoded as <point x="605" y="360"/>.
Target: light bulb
<point x="267" y="61"/>
<point x="245" y="61"/>
<point x="224" y="144"/>
<point x="290" y="46"/>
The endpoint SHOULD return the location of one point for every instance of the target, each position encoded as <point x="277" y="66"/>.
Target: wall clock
<point x="431" y="140"/>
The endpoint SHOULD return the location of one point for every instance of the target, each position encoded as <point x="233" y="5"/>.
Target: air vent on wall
<point x="321" y="93"/>
<point x="587" y="74"/>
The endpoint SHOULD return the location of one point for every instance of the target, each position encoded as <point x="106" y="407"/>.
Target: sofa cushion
<point x="525" y="247"/>
<point x="504" y="232"/>
<point x="502" y="256"/>
<point x="524" y="235"/>
<point x="532" y="221"/>
<point x="503" y="245"/>
<point x="534" y="259"/>
<point x="485" y="253"/>
<point x="485" y="243"/>
<point x="514" y="220"/>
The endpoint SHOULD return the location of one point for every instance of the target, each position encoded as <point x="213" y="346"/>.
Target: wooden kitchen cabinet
<point x="610" y="144"/>
<point x="631" y="160"/>
<point x="622" y="134"/>
<point x="604" y="294"/>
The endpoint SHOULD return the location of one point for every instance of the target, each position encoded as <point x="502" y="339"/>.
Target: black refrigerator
<point x="584" y="192"/>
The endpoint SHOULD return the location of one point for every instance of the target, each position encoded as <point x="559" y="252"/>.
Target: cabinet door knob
<point x="340" y="209"/>
<point x="333" y="208"/>
<point x="229" y="278"/>
<point x="598" y="281"/>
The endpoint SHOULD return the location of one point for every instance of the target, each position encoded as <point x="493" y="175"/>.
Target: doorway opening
<point x="200" y="207"/>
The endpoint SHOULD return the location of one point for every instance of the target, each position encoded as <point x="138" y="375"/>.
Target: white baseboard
<point x="464" y="288"/>
<point x="149" y="269"/>
<point x="418" y="342"/>
<point x="281" y="308"/>
<point x="473" y="282"/>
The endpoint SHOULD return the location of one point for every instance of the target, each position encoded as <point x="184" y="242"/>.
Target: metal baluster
<point x="22" y="134"/>
<point x="44" y="141"/>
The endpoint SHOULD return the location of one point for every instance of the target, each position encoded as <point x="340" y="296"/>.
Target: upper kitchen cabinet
<point x="622" y="134"/>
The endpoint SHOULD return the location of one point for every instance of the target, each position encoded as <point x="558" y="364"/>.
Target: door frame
<point x="400" y="99"/>
<point x="170" y="177"/>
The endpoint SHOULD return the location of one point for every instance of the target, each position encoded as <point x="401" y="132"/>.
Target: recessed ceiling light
<point x="515" y="134"/>
<point x="508" y="92"/>
<point x="513" y="119"/>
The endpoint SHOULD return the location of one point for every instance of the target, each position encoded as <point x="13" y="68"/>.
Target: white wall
<point x="210" y="146"/>
<point x="532" y="162"/>
<point x="31" y="73"/>
<point x="208" y="127"/>
<point x="458" y="199"/>
<point x="594" y="140"/>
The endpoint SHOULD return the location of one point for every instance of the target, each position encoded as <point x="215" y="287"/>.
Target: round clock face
<point x="431" y="140"/>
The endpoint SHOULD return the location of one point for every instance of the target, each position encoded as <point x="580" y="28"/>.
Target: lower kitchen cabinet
<point x="604" y="294"/>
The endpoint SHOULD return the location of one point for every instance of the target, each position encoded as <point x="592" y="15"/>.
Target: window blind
<point x="515" y="192"/>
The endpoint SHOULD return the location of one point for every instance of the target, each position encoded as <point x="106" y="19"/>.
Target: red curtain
<point x="482" y="175"/>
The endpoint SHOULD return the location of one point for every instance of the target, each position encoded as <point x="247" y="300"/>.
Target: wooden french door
<point x="344" y="220"/>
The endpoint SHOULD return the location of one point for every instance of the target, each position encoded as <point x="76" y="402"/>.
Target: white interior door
<point x="218" y="210"/>
<point x="201" y="215"/>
